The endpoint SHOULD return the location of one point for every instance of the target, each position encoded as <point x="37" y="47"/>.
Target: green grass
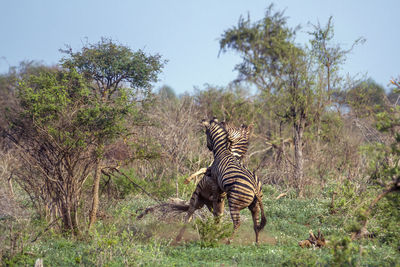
<point x="121" y="240"/>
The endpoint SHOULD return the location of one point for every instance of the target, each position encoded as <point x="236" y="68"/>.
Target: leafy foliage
<point x="295" y="81"/>
<point x="211" y="233"/>
<point x="123" y="240"/>
<point x="97" y="108"/>
<point x="367" y="98"/>
<point x="110" y="65"/>
<point x="230" y="104"/>
<point x="262" y="45"/>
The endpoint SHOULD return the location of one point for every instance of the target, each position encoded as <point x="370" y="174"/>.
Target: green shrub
<point x="345" y="252"/>
<point x="211" y="233"/>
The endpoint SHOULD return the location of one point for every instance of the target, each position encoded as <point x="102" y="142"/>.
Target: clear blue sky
<point x="186" y="32"/>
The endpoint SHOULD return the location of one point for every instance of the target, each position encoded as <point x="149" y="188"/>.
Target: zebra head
<point x="238" y="138"/>
<point x="217" y="137"/>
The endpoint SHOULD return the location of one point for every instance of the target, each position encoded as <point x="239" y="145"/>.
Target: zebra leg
<point x="255" y="210"/>
<point x="194" y="204"/>
<point x="180" y="235"/>
<point x="218" y="209"/>
<point x="218" y="201"/>
<point x="235" y="215"/>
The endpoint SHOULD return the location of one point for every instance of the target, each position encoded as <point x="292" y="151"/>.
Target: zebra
<point x="238" y="139"/>
<point x="242" y="186"/>
<point x="204" y="193"/>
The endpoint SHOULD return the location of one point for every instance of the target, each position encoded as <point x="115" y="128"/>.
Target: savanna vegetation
<point x="88" y="144"/>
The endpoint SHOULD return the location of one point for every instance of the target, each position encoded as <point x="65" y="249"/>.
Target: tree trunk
<point x="298" y="128"/>
<point x="74" y="218"/>
<point x="66" y="216"/>
<point x="95" y="202"/>
<point x="69" y="217"/>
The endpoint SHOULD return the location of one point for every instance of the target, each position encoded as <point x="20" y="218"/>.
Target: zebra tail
<point x="263" y="218"/>
<point x="179" y="207"/>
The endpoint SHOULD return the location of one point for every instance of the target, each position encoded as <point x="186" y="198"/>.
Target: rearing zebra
<point x="238" y="139"/>
<point x="241" y="185"/>
<point x="204" y="193"/>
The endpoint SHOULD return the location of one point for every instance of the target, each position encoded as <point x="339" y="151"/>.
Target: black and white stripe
<point x="203" y="194"/>
<point x="242" y="186"/>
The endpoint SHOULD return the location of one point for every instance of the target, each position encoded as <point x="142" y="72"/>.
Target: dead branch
<point x="46" y="229"/>
<point x="260" y="151"/>
<point x="363" y="232"/>
<point x="369" y="133"/>
<point x="281" y="195"/>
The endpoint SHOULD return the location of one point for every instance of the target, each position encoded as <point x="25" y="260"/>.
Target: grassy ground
<point x="121" y="240"/>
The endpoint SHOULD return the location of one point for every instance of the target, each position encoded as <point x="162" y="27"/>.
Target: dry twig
<point x="281" y="195"/>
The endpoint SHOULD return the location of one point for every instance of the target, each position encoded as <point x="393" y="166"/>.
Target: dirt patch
<point x="169" y="216"/>
<point x="170" y="231"/>
<point x="244" y="236"/>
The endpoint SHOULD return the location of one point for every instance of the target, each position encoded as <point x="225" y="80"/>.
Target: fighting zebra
<point x="204" y="193"/>
<point x="242" y="186"/>
<point x="238" y="139"/>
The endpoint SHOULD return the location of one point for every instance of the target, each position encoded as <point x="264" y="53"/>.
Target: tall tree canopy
<point x="112" y="66"/>
<point x="295" y="80"/>
<point x="119" y="77"/>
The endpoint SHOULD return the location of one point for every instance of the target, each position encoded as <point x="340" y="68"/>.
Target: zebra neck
<point x="221" y="152"/>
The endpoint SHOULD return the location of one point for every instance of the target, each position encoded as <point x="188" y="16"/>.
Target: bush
<point x="211" y="233"/>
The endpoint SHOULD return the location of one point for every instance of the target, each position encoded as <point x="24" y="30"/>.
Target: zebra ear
<point x="205" y="123"/>
<point x="215" y="119"/>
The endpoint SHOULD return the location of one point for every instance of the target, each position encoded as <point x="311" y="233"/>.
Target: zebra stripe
<point x="203" y="195"/>
<point x="242" y="186"/>
<point x="238" y="138"/>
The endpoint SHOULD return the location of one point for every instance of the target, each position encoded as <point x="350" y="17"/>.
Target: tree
<point x="9" y="83"/>
<point x="279" y="68"/>
<point x="116" y="76"/>
<point x="296" y="81"/>
<point x="167" y="93"/>
<point x="366" y="98"/>
<point x="328" y="58"/>
<point x="386" y="174"/>
<point x="261" y="45"/>
<point x="232" y="103"/>
<point x="67" y="118"/>
<point x="54" y="141"/>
